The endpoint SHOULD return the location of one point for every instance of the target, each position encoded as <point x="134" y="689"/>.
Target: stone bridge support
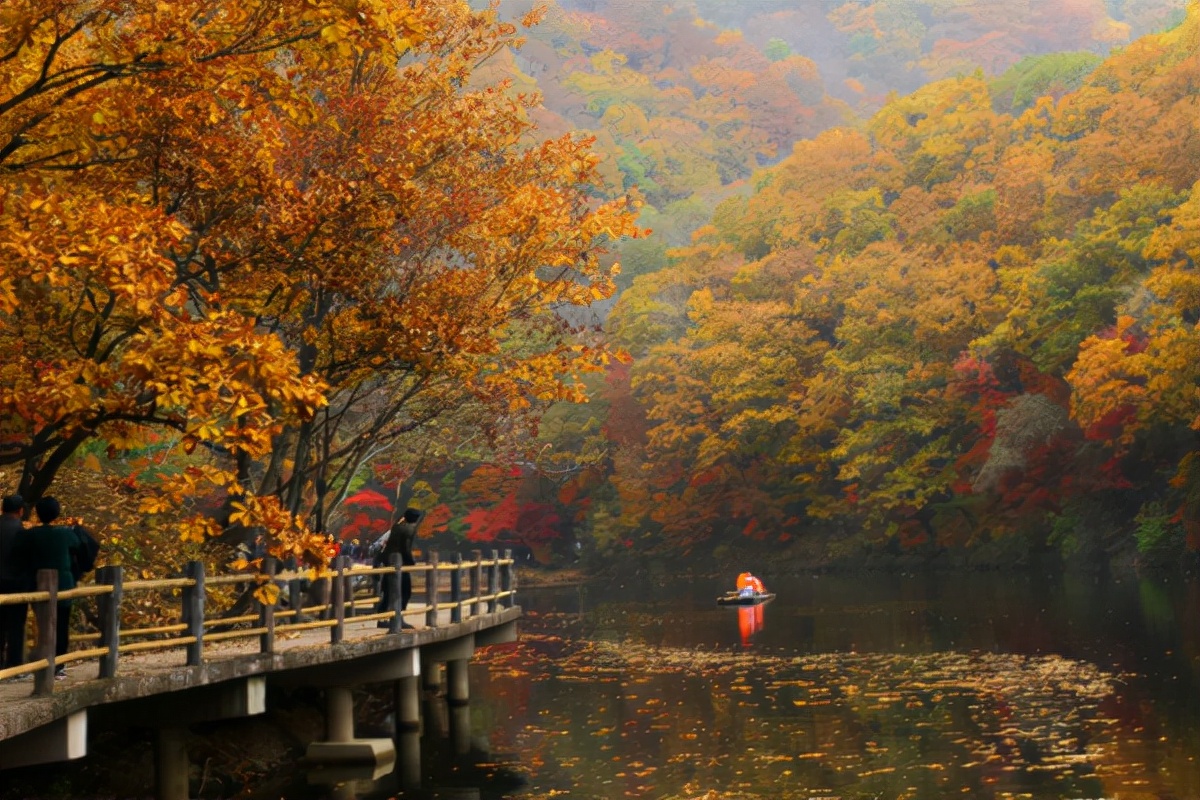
<point x="61" y="740"/>
<point x="171" y="715"/>
<point x="401" y="668"/>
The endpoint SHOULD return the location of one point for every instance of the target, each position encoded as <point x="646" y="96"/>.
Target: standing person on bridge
<point x="57" y="547"/>
<point x="13" y="579"/>
<point x="400" y="539"/>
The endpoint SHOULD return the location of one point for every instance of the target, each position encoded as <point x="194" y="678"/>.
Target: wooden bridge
<point x="202" y="668"/>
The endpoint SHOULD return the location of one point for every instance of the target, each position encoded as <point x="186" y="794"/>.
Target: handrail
<point x="489" y="585"/>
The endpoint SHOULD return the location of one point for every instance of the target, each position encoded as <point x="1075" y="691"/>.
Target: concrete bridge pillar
<point x="340" y="746"/>
<point x="339" y="714"/>
<point x="458" y="684"/>
<point x="171" y="765"/>
<point x="431" y="675"/>
<point x="407" y="694"/>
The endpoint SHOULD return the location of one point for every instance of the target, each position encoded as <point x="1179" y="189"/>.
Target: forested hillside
<point x="955" y="323"/>
<point x="877" y="339"/>
<point x="904" y="274"/>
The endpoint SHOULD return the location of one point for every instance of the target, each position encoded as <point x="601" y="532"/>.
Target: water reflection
<point x="408" y="758"/>
<point x="349" y="781"/>
<point x="750" y="622"/>
<point x="924" y="686"/>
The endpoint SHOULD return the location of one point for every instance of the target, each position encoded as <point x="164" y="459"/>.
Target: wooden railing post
<point x="321" y="590"/>
<point x="337" y="600"/>
<point x="476" y="582"/>
<point x="109" y="608"/>
<point x="456" y="595"/>
<point x="193" y="612"/>
<point x="494" y="582"/>
<point x="431" y="590"/>
<point x="348" y="589"/>
<point x="392" y="592"/>
<point x="506" y="579"/>
<point x="45" y="614"/>
<point x="266" y="611"/>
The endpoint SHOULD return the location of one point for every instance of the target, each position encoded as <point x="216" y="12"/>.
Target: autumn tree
<point x="330" y="231"/>
<point x="100" y="337"/>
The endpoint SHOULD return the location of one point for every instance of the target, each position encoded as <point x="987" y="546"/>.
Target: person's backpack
<point x="86" y="553"/>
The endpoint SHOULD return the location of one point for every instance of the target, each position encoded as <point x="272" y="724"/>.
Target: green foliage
<point x="777" y="49"/>
<point x="1052" y="74"/>
<point x="1158" y="535"/>
<point x="1064" y="533"/>
<point x="970" y="217"/>
<point x="640" y="257"/>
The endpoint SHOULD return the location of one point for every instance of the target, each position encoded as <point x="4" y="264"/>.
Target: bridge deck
<point x="159" y="672"/>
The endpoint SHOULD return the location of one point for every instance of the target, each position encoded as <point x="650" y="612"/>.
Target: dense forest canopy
<point x="887" y="334"/>
<point x="899" y="274"/>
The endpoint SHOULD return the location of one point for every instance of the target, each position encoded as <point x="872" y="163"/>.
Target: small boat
<point x="737" y="599"/>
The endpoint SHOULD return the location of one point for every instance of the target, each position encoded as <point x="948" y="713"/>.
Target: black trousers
<point x="62" y="628"/>
<point x="385" y="600"/>
<point x="12" y="628"/>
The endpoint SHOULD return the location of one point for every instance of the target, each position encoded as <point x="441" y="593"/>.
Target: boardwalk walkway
<point x="199" y="669"/>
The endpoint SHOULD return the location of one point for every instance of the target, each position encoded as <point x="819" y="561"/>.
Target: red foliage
<point x="1191" y="530"/>
<point x="912" y="534"/>
<point x="363" y="526"/>
<point x="977" y="378"/>
<point x="491" y="524"/>
<point x="436" y="520"/>
<point x="1113" y="475"/>
<point x="369" y="498"/>
<point x="1109" y="427"/>
<point x="513" y="521"/>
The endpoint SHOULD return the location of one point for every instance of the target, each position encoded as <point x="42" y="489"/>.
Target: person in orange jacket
<point x="748" y="585"/>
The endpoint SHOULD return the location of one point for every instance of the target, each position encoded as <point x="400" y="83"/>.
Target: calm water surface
<point x="983" y="686"/>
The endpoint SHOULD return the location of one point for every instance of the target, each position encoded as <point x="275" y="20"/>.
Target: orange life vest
<point x="745" y="580"/>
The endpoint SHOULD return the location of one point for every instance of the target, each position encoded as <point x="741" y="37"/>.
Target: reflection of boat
<point x="750" y="622"/>
<point x="738" y="599"/>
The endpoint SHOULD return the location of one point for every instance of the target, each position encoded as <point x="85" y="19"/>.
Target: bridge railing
<point x="466" y="588"/>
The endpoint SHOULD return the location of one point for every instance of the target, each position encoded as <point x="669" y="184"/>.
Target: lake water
<point x="884" y="687"/>
<point x="982" y="686"/>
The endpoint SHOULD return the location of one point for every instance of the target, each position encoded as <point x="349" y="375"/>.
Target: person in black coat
<point x="56" y="547"/>
<point x="13" y="580"/>
<point x="400" y="539"/>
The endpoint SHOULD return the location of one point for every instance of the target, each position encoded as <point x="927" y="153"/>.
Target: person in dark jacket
<point x="400" y="539"/>
<point x="56" y="547"/>
<point x="13" y="579"/>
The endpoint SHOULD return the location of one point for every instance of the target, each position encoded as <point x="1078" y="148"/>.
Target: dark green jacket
<point x="48" y="547"/>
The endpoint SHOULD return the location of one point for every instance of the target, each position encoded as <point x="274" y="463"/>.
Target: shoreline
<point x="538" y="578"/>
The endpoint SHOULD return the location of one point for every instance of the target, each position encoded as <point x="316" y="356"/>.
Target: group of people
<point x="69" y="549"/>
<point x="72" y="551"/>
